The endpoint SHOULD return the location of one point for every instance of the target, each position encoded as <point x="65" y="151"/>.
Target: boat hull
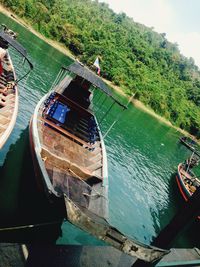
<point x="37" y="170"/>
<point x="185" y="193"/>
<point x="183" y="190"/>
<point x="43" y="180"/>
<point x="37" y="163"/>
<point x="8" y="113"/>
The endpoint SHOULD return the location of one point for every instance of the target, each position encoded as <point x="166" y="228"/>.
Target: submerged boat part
<point x="101" y="229"/>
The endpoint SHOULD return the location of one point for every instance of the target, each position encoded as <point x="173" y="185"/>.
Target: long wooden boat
<point x="70" y="157"/>
<point x="8" y="103"/>
<point x="187" y="181"/>
<point x="9" y="86"/>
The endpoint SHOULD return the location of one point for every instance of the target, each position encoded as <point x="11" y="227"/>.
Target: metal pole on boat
<point x="118" y="116"/>
<point x="98" y="99"/>
<point x="188" y="166"/>
<point x="103" y="117"/>
<point x="104" y="100"/>
<point x="187" y="213"/>
<point x="59" y="75"/>
<point x="26" y="74"/>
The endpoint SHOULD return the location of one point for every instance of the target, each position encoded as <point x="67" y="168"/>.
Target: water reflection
<point x="142" y="157"/>
<point x="21" y="203"/>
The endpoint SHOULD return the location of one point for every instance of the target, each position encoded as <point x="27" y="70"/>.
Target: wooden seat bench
<point x="63" y="131"/>
<point x="65" y="164"/>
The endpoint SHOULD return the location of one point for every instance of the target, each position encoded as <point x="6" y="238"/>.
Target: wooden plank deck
<point x="65" y="147"/>
<point x="61" y="130"/>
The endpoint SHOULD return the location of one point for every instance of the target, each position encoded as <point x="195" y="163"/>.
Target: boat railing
<point x="60" y="76"/>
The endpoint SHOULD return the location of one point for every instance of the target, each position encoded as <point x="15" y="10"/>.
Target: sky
<point x="179" y="19"/>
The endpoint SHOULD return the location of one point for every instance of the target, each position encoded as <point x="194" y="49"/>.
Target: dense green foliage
<point x="132" y="56"/>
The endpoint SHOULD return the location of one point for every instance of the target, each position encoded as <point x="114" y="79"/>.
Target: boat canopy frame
<point x="19" y="48"/>
<point x="85" y="73"/>
<point x="77" y="68"/>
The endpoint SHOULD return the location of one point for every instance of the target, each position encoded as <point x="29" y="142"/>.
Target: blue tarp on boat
<point x="58" y="111"/>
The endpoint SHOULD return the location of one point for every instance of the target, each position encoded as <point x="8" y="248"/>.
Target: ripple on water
<point x="142" y="153"/>
<point x="139" y="186"/>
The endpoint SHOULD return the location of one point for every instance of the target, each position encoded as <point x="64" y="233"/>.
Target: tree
<point x="133" y="56"/>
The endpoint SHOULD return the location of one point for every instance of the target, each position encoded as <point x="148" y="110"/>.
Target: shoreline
<point x="138" y="104"/>
<point x="25" y="24"/>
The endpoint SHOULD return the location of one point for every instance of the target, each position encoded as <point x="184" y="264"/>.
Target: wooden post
<point x="189" y="211"/>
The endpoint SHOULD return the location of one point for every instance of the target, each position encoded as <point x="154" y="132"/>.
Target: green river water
<point x="143" y="154"/>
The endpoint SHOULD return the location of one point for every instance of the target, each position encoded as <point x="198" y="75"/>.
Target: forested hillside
<point x="132" y="56"/>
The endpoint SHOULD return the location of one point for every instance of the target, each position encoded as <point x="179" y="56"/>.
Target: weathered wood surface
<point x="74" y="167"/>
<point x="8" y="103"/>
<point x="63" y="131"/>
<point x="70" y="151"/>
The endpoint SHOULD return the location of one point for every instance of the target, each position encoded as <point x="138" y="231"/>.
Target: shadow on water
<point x="21" y="203"/>
<point x="190" y="235"/>
<point x="62" y="255"/>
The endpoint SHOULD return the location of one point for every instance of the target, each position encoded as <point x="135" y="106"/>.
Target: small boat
<point x="186" y="179"/>
<point x="9" y="85"/>
<point x="70" y="157"/>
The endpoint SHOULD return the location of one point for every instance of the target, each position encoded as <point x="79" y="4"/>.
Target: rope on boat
<point x="117" y="118"/>
<point x="58" y="78"/>
<point x="190" y="160"/>
<point x="98" y="99"/>
<point x="103" y="117"/>
<point x="54" y="82"/>
<point x="21" y="227"/>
